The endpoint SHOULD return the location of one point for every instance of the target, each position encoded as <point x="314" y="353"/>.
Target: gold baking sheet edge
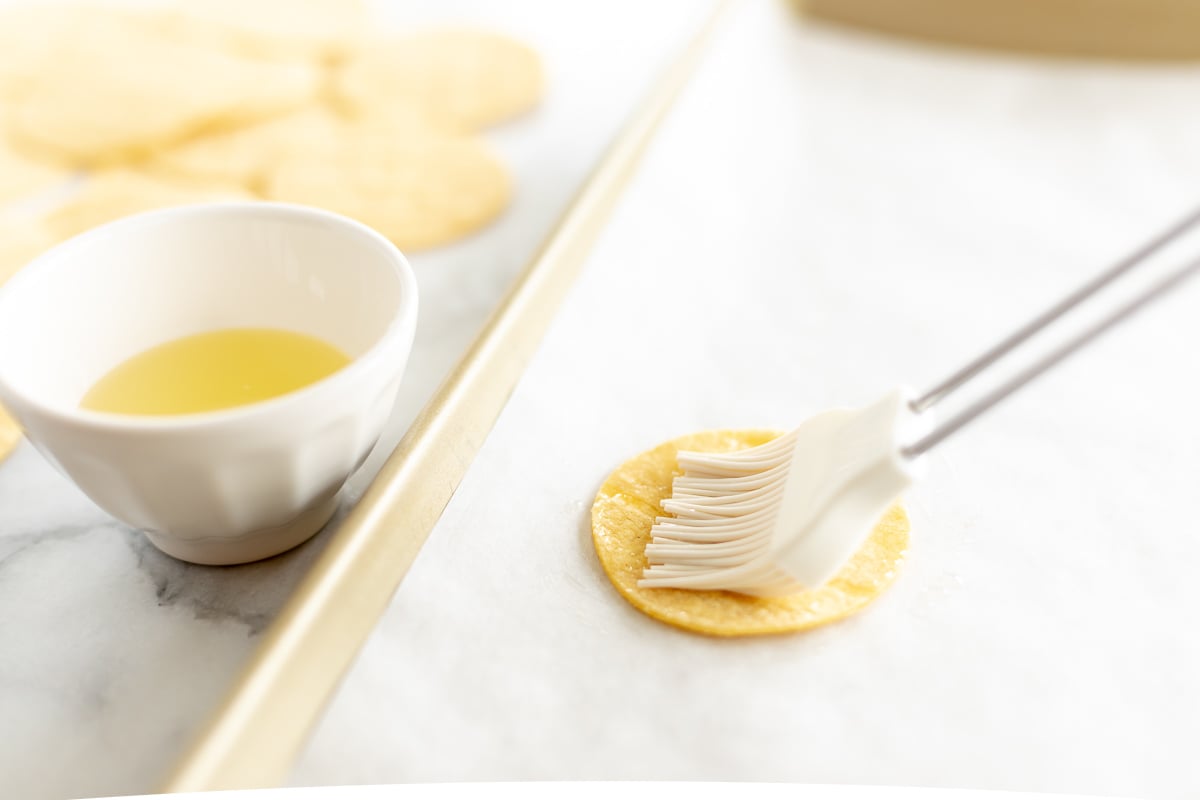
<point x="264" y="720"/>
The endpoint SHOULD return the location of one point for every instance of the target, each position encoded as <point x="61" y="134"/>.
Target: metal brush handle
<point x="964" y="374"/>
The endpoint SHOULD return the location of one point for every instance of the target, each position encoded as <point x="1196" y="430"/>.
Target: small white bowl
<point x="222" y="487"/>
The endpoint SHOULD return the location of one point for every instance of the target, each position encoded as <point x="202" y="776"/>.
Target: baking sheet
<point x="825" y="216"/>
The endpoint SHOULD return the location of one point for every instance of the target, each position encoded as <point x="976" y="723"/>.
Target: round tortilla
<point x="627" y="504"/>
<point x="317" y="30"/>
<point x="247" y="155"/>
<point x="419" y="191"/>
<point x="473" y="77"/>
<point x="107" y="195"/>
<point x="244" y="156"/>
<point x="20" y="241"/>
<point x="110" y="91"/>
<point x="22" y="177"/>
<point x="10" y="434"/>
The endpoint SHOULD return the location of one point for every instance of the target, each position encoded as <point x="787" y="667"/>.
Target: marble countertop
<point x="842" y="213"/>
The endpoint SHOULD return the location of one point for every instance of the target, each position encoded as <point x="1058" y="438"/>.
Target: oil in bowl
<point x="213" y="371"/>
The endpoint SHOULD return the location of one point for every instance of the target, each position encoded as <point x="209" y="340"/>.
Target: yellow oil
<point x="214" y="370"/>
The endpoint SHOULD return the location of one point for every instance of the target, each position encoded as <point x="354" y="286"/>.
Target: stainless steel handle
<point x="969" y="371"/>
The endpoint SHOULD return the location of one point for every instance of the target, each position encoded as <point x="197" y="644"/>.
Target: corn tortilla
<point x="631" y="498"/>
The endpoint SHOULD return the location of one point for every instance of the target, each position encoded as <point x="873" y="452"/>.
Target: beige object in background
<point x="631" y="498"/>
<point x="115" y="89"/>
<point x="418" y="192"/>
<point x="1142" y="29"/>
<point x="110" y="194"/>
<point x="473" y="77"/>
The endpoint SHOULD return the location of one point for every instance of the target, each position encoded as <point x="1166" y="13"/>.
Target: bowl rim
<point x="402" y="325"/>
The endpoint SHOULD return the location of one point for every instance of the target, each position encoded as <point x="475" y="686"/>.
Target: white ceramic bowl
<point x="229" y="486"/>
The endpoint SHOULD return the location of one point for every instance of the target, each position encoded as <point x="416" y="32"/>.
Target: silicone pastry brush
<point x="785" y="516"/>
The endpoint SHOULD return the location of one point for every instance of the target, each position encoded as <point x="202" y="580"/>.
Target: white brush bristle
<point x="787" y="515"/>
<point x="724" y="507"/>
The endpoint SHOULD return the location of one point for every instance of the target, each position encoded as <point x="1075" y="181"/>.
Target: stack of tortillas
<point x="302" y="101"/>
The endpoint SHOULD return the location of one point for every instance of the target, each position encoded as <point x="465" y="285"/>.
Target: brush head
<point x="785" y="516"/>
